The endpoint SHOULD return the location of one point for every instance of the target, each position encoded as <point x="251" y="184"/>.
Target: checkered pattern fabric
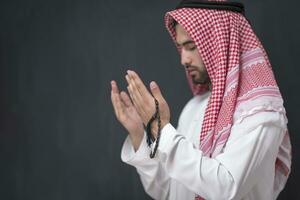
<point x="239" y="70"/>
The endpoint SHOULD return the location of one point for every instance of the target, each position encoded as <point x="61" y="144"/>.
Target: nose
<point x="185" y="58"/>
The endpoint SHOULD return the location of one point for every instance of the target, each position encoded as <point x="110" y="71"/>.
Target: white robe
<point x="245" y="170"/>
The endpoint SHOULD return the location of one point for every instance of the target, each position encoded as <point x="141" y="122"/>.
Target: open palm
<point x="125" y="111"/>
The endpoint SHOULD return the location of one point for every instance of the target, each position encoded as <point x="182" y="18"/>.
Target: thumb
<point x="156" y="91"/>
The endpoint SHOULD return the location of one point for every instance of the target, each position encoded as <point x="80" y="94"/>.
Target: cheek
<point x="198" y="61"/>
<point x="197" y="58"/>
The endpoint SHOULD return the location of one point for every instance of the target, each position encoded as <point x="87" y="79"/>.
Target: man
<point x="232" y="140"/>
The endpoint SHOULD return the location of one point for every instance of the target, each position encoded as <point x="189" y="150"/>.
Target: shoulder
<point x="264" y="118"/>
<point x="265" y="124"/>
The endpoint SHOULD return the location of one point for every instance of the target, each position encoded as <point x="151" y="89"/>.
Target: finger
<point x="114" y="87"/>
<point x="134" y="93"/>
<point x="113" y="94"/>
<point x="138" y="83"/>
<point x="129" y="82"/>
<point x="125" y="98"/>
<point x="128" y="79"/>
<point x="155" y="90"/>
<point x="143" y="97"/>
<point x="136" y="104"/>
<point x="115" y="97"/>
<point x="114" y="103"/>
<point x="129" y="87"/>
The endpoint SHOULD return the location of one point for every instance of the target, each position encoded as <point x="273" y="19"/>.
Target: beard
<point x="202" y="78"/>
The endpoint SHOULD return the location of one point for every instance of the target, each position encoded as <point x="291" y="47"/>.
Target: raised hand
<point x="144" y="101"/>
<point x="127" y="115"/>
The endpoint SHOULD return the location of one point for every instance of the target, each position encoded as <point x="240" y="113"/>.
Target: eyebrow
<point x="185" y="43"/>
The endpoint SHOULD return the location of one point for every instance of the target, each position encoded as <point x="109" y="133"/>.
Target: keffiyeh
<point x="242" y="79"/>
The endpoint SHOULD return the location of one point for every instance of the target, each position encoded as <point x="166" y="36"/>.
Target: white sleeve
<point x="154" y="178"/>
<point x="251" y="150"/>
<point x="153" y="175"/>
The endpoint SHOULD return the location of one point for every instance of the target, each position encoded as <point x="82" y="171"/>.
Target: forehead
<point x="181" y="35"/>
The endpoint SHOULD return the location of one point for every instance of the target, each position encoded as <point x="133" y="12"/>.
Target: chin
<point x="201" y="82"/>
<point x="204" y="80"/>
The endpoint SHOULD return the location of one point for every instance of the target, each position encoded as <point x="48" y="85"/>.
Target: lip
<point x="191" y="70"/>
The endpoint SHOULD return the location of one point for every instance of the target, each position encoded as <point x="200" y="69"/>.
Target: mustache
<point x="187" y="66"/>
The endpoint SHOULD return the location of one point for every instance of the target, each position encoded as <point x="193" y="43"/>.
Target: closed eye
<point x="190" y="46"/>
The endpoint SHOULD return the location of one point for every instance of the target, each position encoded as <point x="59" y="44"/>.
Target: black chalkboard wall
<point x="59" y="138"/>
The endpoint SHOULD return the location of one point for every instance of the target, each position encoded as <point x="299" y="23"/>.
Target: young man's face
<point x="190" y="57"/>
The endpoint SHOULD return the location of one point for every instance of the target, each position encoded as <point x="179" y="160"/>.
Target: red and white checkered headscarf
<point x="242" y="79"/>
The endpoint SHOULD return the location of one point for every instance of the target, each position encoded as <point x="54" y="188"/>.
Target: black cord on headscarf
<point x="217" y="5"/>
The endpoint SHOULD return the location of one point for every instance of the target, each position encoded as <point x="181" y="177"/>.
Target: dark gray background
<point x="59" y="138"/>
